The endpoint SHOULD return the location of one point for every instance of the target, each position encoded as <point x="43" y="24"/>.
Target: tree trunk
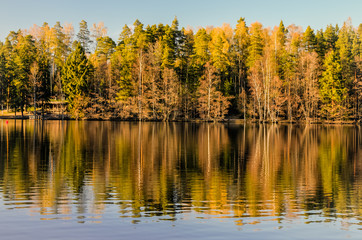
<point x="34" y="103"/>
<point x="42" y="109"/>
<point x="140" y="89"/>
<point x="208" y="98"/>
<point x="7" y="101"/>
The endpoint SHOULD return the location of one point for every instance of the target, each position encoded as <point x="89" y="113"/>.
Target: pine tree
<point x="58" y="46"/>
<point x="84" y="36"/>
<point x="58" y="52"/>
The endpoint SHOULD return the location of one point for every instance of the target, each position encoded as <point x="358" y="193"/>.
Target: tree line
<point x="162" y="72"/>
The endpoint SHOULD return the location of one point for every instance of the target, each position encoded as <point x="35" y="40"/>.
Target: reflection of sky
<point x="187" y="226"/>
<point x="21" y="14"/>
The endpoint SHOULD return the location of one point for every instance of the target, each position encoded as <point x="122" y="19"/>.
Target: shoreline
<point x="54" y="117"/>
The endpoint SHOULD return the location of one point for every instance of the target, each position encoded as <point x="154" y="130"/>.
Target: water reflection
<point x="180" y="171"/>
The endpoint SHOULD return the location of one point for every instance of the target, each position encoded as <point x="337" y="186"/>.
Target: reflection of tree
<point x="153" y="169"/>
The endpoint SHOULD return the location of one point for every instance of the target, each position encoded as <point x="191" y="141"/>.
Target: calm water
<point x="120" y="180"/>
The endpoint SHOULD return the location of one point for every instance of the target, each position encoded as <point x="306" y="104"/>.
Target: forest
<point x="164" y="72"/>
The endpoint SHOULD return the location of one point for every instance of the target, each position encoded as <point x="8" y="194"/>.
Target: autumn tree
<point x="212" y="104"/>
<point x="161" y="72"/>
<point x="219" y="47"/>
<point x="34" y="81"/>
<point x="307" y="96"/>
<point x="59" y="50"/>
<point x="169" y="97"/>
<point x="101" y="61"/>
<point x="293" y="49"/>
<point x="98" y="31"/>
<point x="271" y="87"/>
<point x="152" y="80"/>
<point x="139" y="37"/>
<point x="254" y="63"/>
<point x="201" y="50"/>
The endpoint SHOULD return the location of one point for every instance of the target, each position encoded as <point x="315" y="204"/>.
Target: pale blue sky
<point x="22" y="14"/>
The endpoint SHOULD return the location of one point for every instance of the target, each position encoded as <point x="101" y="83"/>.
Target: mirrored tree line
<point x="217" y="169"/>
<point x="162" y="72"/>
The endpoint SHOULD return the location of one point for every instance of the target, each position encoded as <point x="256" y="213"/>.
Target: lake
<point x="130" y="180"/>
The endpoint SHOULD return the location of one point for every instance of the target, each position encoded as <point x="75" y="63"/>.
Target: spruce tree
<point x="309" y="39"/>
<point x="331" y="37"/>
<point x="168" y="43"/>
<point x="320" y="44"/>
<point x="24" y="55"/>
<point x="256" y="43"/>
<point x="122" y="63"/>
<point x="76" y="73"/>
<point x="332" y="87"/>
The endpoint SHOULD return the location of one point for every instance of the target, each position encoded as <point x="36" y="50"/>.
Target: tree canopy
<point x="165" y="72"/>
